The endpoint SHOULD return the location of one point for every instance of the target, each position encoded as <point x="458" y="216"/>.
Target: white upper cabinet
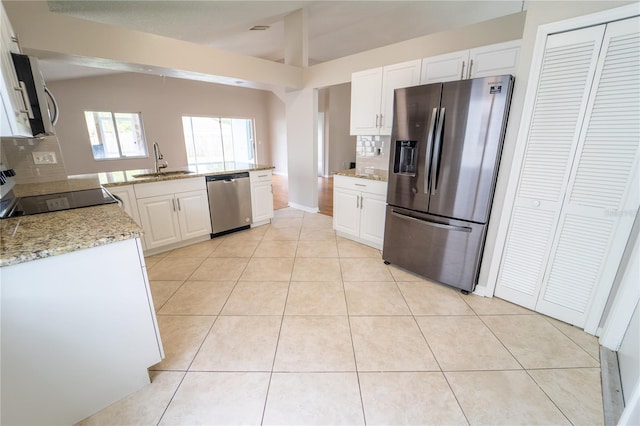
<point x="495" y="59"/>
<point x="366" y="95"/>
<point x="372" y="96"/>
<point x="395" y="77"/>
<point x="449" y="67"/>
<point x="14" y="118"/>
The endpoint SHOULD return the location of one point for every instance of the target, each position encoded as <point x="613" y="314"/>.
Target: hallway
<point x="325" y="194"/>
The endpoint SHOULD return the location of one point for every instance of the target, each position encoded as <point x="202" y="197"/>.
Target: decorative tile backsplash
<point x="18" y="155"/>
<point x="372" y="152"/>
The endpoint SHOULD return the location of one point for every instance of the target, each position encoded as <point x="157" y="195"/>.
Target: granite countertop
<point x="27" y="238"/>
<point x="128" y="177"/>
<point x="367" y="173"/>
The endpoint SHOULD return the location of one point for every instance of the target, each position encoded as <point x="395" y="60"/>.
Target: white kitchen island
<point x="78" y="326"/>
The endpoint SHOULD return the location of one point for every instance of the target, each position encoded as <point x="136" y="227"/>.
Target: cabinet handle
<point x="173" y="203"/>
<point x="470" y="66"/>
<point x="178" y="200"/>
<point x="462" y="72"/>
<point x="263" y="175"/>
<point x="360" y="184"/>
<point x="381" y="116"/>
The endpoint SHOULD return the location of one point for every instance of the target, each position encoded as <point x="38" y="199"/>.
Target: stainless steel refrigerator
<point x="446" y="143"/>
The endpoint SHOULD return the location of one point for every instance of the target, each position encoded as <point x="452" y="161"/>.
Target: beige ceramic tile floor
<point x="287" y="324"/>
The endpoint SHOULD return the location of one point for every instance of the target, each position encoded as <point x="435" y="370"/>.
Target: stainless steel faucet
<point x="157" y="156"/>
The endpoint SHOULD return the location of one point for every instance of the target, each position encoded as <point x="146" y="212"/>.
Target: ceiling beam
<point x="46" y="34"/>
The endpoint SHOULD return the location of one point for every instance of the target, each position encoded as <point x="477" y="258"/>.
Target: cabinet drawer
<point x="360" y="184"/>
<point x="152" y="189"/>
<point x="260" y="176"/>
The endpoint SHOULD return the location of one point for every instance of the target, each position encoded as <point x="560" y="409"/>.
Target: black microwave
<point x="41" y="105"/>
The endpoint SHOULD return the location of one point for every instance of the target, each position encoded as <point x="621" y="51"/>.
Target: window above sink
<point x="116" y="135"/>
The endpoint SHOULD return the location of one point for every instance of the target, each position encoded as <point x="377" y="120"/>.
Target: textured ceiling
<point x="335" y="28"/>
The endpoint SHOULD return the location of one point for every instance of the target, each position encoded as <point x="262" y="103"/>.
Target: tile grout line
<point x="524" y="369"/>
<point x="275" y="352"/>
<point x="203" y="340"/>
<point x="444" y="376"/>
<point x="353" y="347"/>
<point x="569" y="337"/>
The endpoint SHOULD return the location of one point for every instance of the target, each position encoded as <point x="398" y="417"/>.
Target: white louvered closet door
<point x="578" y="192"/>
<point x="567" y="72"/>
<point x="603" y="194"/>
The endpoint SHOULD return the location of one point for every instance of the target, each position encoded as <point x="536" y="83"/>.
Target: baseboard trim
<point x="612" y="400"/>
<point x="304" y="208"/>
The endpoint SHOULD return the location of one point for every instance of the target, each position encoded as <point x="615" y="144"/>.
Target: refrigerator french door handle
<point x="435" y="170"/>
<point x="430" y="223"/>
<point x="427" y="162"/>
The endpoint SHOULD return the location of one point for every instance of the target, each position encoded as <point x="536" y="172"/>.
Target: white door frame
<point x="595" y="312"/>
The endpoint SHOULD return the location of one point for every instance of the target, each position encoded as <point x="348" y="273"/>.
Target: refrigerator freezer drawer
<point x="437" y="248"/>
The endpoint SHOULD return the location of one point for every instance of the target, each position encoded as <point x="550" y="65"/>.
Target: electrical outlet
<point x="44" y="158"/>
<point x="54" y="204"/>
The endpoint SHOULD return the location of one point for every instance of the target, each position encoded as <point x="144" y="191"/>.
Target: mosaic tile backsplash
<point x="372" y="152"/>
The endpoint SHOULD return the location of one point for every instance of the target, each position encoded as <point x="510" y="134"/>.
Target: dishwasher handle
<point x="227" y="177"/>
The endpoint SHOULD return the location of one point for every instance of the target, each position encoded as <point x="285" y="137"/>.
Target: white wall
<point x="302" y="152"/>
<point x="342" y="146"/>
<point x="629" y="357"/>
<point x="493" y="31"/>
<point x="162" y="102"/>
<point x="278" y="134"/>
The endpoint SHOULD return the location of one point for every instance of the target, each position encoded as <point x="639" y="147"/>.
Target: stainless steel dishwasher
<point x="229" y="202"/>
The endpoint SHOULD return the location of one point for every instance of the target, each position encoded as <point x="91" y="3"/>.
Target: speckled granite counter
<point x="27" y="238"/>
<point x="371" y="174"/>
<point x="128" y="177"/>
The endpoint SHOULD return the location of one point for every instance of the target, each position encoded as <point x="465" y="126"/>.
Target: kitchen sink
<point x="161" y="174"/>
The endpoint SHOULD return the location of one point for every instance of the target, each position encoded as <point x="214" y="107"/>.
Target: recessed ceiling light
<point x="259" y="28"/>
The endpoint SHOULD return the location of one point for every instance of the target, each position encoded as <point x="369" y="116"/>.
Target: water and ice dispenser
<point x="406" y="157"/>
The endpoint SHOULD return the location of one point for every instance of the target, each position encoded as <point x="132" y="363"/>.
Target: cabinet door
<point x="261" y="201"/>
<point x="497" y="59"/>
<point x="159" y="220"/>
<point x="394" y="77"/>
<point x="441" y="68"/>
<point x="128" y="199"/>
<point x="346" y="211"/>
<point x="366" y="90"/>
<point x="14" y="120"/>
<point x="373" y="218"/>
<point x="193" y="214"/>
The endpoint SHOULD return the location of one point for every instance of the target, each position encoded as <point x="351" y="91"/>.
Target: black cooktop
<point x="23" y="206"/>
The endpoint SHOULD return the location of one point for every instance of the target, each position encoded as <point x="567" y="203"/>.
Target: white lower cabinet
<point x="261" y="197"/>
<point x="359" y="209"/>
<point x="172" y="217"/>
<point x="79" y="332"/>
<point x="127" y="198"/>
